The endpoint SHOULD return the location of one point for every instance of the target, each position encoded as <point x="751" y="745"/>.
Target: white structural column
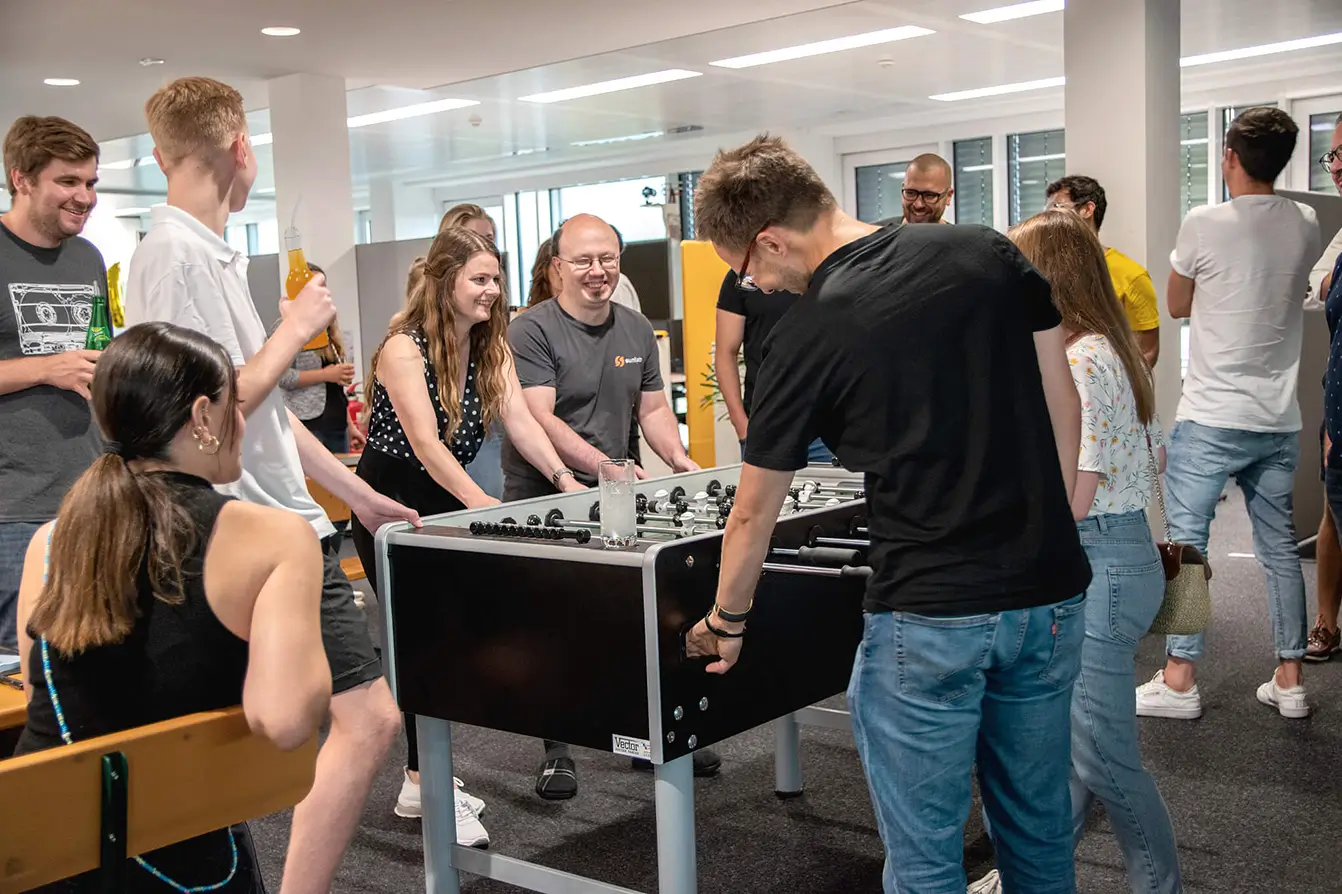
<point x="402" y="212"/>
<point x="313" y="188"/>
<point x="382" y="209"/>
<point x="1122" y="119"/>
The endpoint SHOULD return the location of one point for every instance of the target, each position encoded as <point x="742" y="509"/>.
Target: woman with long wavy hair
<point x="441" y="376"/>
<point x="1121" y="455"/>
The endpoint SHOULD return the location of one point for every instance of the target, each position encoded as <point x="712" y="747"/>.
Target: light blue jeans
<point x="1199" y="461"/>
<point x="929" y="696"/>
<point x="486" y="470"/>
<point x="1126" y="588"/>
<point x="14" y="540"/>
<point x="816" y="452"/>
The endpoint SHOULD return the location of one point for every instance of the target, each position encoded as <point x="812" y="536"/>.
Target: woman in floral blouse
<point x="1114" y="487"/>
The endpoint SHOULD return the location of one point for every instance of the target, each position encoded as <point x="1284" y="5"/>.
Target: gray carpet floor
<point x="1254" y="797"/>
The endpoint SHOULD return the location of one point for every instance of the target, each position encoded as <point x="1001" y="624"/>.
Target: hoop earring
<point x="207" y="443"/>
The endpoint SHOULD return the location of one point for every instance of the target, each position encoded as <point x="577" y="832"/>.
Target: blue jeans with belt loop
<point x="1126" y="589"/>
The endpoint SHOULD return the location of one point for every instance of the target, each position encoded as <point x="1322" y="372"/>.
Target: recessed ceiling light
<point x="61" y="82"/>
<point x="1014" y="11"/>
<point x="838" y="44"/>
<point x="118" y="165"/>
<point x="1267" y="49"/>
<point x="411" y="111"/>
<point x="649" y="135"/>
<point x="643" y="80"/>
<point x="149" y="60"/>
<point x="999" y="90"/>
<point x="130" y="212"/>
<point x="280" y="31"/>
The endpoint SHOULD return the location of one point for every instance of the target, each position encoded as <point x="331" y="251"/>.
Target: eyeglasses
<point x="928" y="197"/>
<point x="1327" y="159"/>
<point x="745" y="280"/>
<point x="1061" y="206"/>
<point x="583" y="264"/>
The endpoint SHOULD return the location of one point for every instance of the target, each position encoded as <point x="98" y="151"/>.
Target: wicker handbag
<point x="1187" y="607"/>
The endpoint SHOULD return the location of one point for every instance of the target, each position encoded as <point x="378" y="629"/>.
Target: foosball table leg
<point x="674" y="797"/>
<point x="440" y="816"/>
<point x="787" y="757"/>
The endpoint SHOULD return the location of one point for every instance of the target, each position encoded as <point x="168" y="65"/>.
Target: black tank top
<point x="177" y="660"/>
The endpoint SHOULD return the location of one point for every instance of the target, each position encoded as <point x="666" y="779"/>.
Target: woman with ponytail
<point x="152" y="596"/>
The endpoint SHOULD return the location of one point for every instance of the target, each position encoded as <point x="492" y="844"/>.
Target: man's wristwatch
<point x="554" y="479"/>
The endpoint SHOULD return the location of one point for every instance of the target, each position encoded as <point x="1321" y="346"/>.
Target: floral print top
<point x="1113" y="440"/>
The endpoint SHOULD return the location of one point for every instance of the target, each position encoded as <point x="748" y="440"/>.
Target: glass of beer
<point x="619" y="517"/>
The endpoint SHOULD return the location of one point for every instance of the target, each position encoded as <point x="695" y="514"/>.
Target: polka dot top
<point x="386" y="435"/>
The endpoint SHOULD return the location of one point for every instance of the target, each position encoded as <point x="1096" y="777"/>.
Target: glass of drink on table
<point x="619" y="517"/>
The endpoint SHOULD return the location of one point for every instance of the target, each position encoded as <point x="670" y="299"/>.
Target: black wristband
<point x="723" y="634"/>
<point x="732" y="617"/>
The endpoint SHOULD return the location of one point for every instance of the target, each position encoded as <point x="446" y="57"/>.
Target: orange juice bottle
<point x="298" y="277"/>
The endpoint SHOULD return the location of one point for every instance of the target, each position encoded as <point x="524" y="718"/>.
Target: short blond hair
<point x="194" y="116"/>
<point x="762" y="183"/>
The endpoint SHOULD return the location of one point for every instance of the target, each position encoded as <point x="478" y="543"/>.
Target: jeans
<point x="14" y="539"/>
<point x="486" y="470"/>
<point x="1199" y="461"/>
<point x="1126" y="590"/>
<point x="817" y="452"/>
<point x="929" y="696"/>
<point x="334" y="441"/>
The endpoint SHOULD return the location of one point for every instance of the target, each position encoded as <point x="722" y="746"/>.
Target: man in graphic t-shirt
<point x="586" y="366"/>
<point x="745" y="318"/>
<point x="962" y="415"/>
<point x="1241" y="273"/>
<point x="49" y="276"/>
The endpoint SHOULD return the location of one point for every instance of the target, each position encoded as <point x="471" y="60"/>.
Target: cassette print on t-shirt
<point x="51" y="318"/>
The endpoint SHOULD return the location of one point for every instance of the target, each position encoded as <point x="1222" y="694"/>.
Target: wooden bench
<point x="92" y="804"/>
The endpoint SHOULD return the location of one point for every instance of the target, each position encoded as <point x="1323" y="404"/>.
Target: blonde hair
<point x="194" y="116"/>
<point x="1064" y="248"/>
<point x="428" y="308"/>
<point x="460" y="215"/>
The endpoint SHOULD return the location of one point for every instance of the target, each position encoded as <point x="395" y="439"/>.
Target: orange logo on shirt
<point x="619" y="361"/>
<point x="622" y="360"/>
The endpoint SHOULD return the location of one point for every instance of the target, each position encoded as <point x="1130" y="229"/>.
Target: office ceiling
<point x="494" y="53"/>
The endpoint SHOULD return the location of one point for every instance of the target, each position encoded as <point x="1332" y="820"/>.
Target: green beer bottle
<point x="99" y="335"/>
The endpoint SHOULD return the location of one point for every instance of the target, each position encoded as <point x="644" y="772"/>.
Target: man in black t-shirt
<point x="745" y="317"/>
<point x="932" y="361"/>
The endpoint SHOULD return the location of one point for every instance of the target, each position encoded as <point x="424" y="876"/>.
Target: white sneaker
<point x="1288" y="702"/>
<point x="1157" y="699"/>
<point x="989" y="884"/>
<point x="477" y="805"/>
<point x="469" y="831"/>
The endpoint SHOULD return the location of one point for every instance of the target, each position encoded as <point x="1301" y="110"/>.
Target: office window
<point x="634" y="207"/>
<point x="1321" y="129"/>
<point x="689" y="182"/>
<point x="1034" y="160"/>
<point x="267" y="234"/>
<point x="363" y="227"/>
<point x="237" y="238"/>
<point x="1228" y="115"/>
<point x="974" y="181"/>
<point x="878" y="189"/>
<point x="1193" y="154"/>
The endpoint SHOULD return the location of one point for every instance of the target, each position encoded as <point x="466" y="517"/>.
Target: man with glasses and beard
<point x="927" y="191"/>
<point x="48" y="436"/>
<point x="586" y="365"/>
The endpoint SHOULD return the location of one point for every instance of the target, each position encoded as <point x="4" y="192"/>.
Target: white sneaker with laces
<point x="989" y="884"/>
<point x="1157" y="699"/>
<point x="470" y="833"/>
<point x="1288" y="702"/>
<point x="410" y="805"/>
<point x="477" y="805"/>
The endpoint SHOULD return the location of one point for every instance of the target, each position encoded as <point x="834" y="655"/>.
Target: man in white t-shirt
<point x="184" y="272"/>
<point x="1241" y="272"/>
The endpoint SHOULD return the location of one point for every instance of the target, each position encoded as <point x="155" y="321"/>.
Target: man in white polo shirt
<point x="184" y="272"/>
<point x="1241" y="272"/>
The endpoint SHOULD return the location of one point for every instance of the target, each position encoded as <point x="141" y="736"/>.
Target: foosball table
<point x="516" y="618"/>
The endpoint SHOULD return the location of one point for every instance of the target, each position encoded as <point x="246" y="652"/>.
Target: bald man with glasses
<point x="927" y="191"/>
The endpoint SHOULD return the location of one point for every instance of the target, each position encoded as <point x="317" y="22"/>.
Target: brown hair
<point x="1065" y="249"/>
<point x="460" y="215"/>
<point x="33" y="143"/>
<point x="1264" y="139"/>
<point x="540" y="291"/>
<point x="763" y="183"/>
<point x="116" y="525"/>
<point x="194" y="116"/>
<point x="428" y="308"/>
<point x="334" y="352"/>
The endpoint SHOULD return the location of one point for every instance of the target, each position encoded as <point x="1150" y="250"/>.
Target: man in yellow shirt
<point x="1132" y="283"/>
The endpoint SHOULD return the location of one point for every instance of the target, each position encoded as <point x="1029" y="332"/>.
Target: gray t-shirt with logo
<point x="48" y="437"/>
<point x="599" y="374"/>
